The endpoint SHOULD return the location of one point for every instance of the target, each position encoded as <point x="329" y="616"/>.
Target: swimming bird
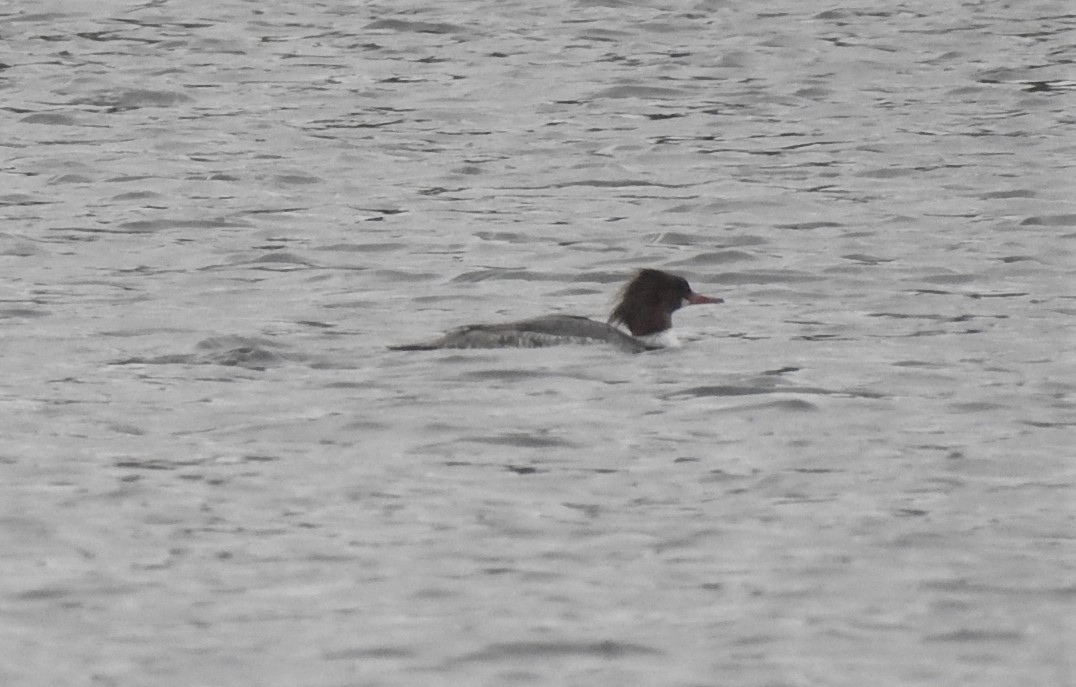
<point x="644" y="307"/>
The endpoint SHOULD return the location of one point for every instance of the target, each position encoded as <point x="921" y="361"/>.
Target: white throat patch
<point x="665" y="339"/>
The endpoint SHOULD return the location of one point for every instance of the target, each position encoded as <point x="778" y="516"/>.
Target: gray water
<point x="218" y="215"/>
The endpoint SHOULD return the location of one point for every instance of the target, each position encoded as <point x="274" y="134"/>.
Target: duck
<point x="644" y="308"/>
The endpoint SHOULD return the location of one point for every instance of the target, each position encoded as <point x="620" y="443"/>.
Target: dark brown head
<point x="648" y="301"/>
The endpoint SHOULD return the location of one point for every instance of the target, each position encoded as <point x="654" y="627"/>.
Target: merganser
<point x="645" y="307"/>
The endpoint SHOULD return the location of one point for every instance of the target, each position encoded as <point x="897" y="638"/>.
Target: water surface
<point x="217" y="216"/>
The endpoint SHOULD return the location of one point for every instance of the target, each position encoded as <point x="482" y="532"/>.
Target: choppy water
<point x="216" y="216"/>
